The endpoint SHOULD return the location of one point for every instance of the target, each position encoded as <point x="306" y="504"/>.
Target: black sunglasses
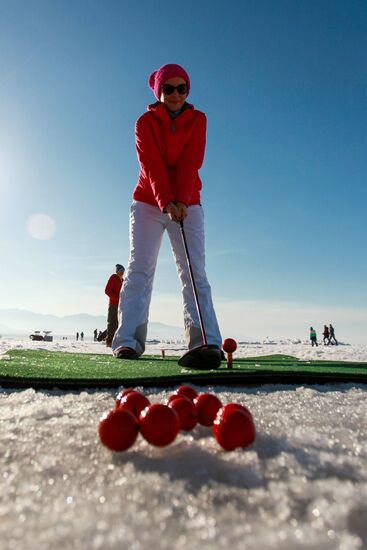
<point x="168" y="89"/>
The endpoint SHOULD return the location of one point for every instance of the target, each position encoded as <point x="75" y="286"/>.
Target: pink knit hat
<point x="165" y="72"/>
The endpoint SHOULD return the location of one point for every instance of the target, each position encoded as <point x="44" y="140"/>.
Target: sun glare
<point x="41" y="226"/>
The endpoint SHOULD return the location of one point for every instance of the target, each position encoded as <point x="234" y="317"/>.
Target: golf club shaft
<point x="193" y="284"/>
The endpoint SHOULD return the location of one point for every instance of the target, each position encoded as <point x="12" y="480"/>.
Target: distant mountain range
<point x="22" y="322"/>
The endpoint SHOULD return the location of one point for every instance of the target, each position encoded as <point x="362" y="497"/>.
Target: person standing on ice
<point x="326" y="336"/>
<point x="170" y="143"/>
<point x="113" y="288"/>
<point x="313" y="337"/>
<point x="332" y="339"/>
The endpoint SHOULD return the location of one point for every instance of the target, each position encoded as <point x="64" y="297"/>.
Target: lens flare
<point x="41" y="226"/>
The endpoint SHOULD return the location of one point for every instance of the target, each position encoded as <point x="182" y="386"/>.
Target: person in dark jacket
<point x="113" y="288"/>
<point x="326" y="336"/>
<point x="332" y="338"/>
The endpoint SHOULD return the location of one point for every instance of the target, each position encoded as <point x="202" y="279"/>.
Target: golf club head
<point x="203" y="358"/>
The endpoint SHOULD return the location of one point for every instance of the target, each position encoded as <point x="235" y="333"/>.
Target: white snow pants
<point x="147" y="225"/>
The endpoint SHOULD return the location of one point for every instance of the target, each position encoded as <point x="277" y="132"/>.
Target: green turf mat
<point x="40" y="368"/>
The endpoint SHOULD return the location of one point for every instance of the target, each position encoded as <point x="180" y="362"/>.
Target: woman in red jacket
<point x="170" y="143"/>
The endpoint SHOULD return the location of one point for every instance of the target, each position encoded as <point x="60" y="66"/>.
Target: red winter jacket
<point x="113" y="288"/>
<point x="170" y="153"/>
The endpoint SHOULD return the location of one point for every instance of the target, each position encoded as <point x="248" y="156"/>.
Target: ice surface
<point x="303" y="484"/>
<point x="297" y="348"/>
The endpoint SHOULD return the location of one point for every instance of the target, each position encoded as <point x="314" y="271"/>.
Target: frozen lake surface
<point x="302" y="484"/>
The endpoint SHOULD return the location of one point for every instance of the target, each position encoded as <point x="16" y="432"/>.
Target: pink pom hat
<point x="165" y="72"/>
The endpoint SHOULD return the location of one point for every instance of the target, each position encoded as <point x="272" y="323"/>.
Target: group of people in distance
<point x="328" y="336"/>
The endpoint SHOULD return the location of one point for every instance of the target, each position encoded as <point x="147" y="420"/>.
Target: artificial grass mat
<point x="45" y="369"/>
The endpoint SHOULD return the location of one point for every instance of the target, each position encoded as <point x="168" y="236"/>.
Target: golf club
<point x="205" y="342"/>
<point x="205" y="356"/>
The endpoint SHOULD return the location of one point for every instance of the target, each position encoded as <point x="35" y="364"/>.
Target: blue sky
<point x="283" y="84"/>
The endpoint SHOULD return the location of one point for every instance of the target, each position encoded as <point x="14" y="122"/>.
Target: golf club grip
<point x="193" y="283"/>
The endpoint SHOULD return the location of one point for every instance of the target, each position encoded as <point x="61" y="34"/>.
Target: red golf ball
<point x="159" y="424"/>
<point x="121" y="394"/>
<point x="236" y="406"/>
<point x="126" y="391"/>
<point x="233" y="429"/>
<point x="186" y="411"/>
<point x="229" y="345"/>
<point x="207" y="406"/>
<point x="172" y="397"/>
<point x="118" y="429"/>
<point x="187" y="391"/>
<point x="134" y="402"/>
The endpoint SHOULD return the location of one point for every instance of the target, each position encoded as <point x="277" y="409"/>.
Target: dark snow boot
<point x="126" y="353"/>
<point x="204" y="357"/>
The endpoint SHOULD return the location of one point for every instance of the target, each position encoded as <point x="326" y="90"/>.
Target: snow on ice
<point x="303" y="484"/>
